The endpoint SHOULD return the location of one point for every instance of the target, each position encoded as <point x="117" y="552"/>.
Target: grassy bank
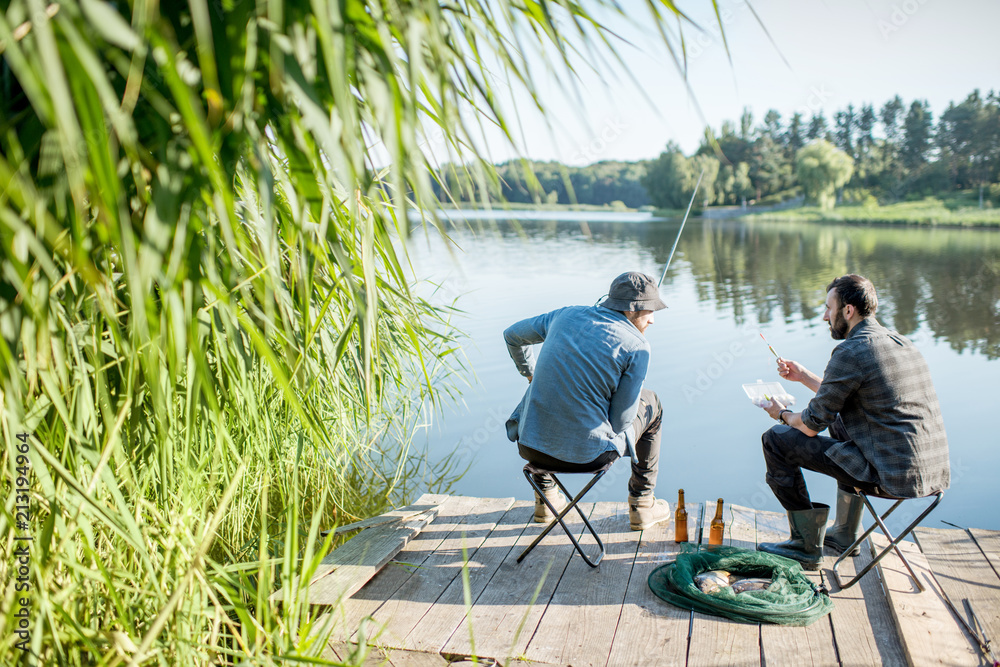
<point x="931" y="211"/>
<point x="518" y="206"/>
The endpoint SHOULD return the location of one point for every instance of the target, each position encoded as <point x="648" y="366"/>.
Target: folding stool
<point x="531" y="469"/>
<point x="893" y="541"/>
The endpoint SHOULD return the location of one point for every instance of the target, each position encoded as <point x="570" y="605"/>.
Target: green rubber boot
<point x="847" y="526"/>
<point x="808" y="528"/>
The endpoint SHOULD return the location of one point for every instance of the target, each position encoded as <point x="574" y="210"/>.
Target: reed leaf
<point x="208" y="323"/>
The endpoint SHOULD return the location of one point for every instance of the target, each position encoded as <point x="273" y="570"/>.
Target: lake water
<point x="729" y="281"/>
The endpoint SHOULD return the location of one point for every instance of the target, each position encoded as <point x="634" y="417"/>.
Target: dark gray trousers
<point x="647" y="450"/>
<point x="788" y="450"/>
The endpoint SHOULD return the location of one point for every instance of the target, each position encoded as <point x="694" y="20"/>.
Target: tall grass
<point x="207" y="324"/>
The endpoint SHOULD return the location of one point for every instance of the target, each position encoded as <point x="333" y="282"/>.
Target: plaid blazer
<point x="880" y="385"/>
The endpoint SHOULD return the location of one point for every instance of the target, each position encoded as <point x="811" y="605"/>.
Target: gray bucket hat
<point x="634" y="291"/>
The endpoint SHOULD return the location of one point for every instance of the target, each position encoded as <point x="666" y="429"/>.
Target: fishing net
<point x="791" y="599"/>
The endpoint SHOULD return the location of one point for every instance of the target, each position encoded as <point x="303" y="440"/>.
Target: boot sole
<point x="645" y="526"/>
<point x="840" y="550"/>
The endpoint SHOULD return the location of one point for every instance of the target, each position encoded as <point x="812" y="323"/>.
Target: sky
<point x="824" y="56"/>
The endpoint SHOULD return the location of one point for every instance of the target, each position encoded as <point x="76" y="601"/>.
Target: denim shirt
<point x="584" y="392"/>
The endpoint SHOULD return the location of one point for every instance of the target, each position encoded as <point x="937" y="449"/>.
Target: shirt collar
<point x="864" y="325"/>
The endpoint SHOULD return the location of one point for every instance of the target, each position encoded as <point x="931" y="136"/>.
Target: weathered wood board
<point x="716" y="640"/>
<point x="961" y="569"/>
<point x="404" y="609"/>
<point x="504" y="617"/>
<point x="648" y="626"/>
<point x="349" y="567"/>
<point x="352" y="614"/>
<point x="989" y="543"/>
<point x="929" y="634"/>
<point x="440" y="623"/>
<point x="782" y="645"/>
<point x="579" y="623"/>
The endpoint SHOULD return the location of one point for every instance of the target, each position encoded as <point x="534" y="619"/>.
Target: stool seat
<point x="533" y="469"/>
<point x="893" y="541"/>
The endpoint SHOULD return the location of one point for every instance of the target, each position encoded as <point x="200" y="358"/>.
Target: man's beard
<point x="838" y="327"/>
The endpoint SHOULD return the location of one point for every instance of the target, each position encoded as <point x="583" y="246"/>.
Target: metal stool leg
<point x="559" y="519"/>
<point x="893" y="542"/>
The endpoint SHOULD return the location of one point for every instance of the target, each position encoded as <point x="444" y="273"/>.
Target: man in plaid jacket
<point x="886" y="435"/>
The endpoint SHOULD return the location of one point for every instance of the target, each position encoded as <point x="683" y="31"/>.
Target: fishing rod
<point x="690" y="203"/>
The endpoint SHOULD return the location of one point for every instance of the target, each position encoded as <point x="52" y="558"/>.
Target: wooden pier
<point x="456" y="591"/>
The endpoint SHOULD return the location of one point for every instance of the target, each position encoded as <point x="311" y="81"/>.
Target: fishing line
<point x="679" y="231"/>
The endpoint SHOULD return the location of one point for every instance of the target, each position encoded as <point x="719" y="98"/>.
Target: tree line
<point x="895" y="152"/>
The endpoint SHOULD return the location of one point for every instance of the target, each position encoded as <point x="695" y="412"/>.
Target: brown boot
<point x="542" y="513"/>
<point x="646" y="511"/>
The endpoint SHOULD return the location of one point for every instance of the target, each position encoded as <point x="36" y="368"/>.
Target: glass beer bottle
<point x="680" y="519"/>
<point x="718" y="527"/>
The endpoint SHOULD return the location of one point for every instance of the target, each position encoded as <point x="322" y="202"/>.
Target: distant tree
<point x="770" y="172"/>
<point x="771" y="126"/>
<point x="746" y="125"/>
<point x="822" y="168"/>
<point x="734" y="148"/>
<point x="666" y="178"/>
<point x="917" y="133"/>
<point x="866" y="128"/>
<point x="818" y="128"/>
<point x="991" y="135"/>
<point x="890" y="172"/>
<point x="844" y="124"/>
<point x="708" y="194"/>
<point x="742" y="185"/>
<point x="891" y="114"/>
<point x="794" y="139"/>
<point x="962" y="137"/>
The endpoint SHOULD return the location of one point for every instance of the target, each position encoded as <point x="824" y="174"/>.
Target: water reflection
<point x="945" y="280"/>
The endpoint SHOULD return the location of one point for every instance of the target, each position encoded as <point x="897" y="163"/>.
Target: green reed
<point x="207" y="320"/>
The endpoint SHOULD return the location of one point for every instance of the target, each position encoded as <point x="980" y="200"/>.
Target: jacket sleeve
<point x="842" y="377"/>
<point x="520" y="336"/>
<point x="625" y="401"/>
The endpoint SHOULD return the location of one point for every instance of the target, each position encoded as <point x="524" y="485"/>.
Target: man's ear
<point x="850" y="311"/>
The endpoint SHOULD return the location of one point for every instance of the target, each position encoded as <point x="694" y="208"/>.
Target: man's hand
<point x="773" y="408"/>
<point x="793" y="419"/>
<point x="796" y="372"/>
<point x="791" y="370"/>
<point x="529" y="379"/>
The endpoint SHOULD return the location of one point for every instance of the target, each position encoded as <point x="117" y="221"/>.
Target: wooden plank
<point x="441" y="621"/>
<point x="407" y="605"/>
<point x="963" y="572"/>
<point x="416" y="659"/>
<point x="388" y="517"/>
<point x="716" y="640"/>
<point x="580" y="621"/>
<point x="989" y="543"/>
<point x="890" y="644"/>
<point x="648" y="626"/>
<point x="385" y="657"/>
<point x="785" y="645"/>
<point x="861" y="614"/>
<point x="929" y="634"/>
<point x="505" y="615"/>
<point x="349" y="567"/>
<point x="373" y="595"/>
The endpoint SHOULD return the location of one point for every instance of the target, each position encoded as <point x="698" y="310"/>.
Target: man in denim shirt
<point x="886" y="435"/>
<point x="585" y="405"/>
